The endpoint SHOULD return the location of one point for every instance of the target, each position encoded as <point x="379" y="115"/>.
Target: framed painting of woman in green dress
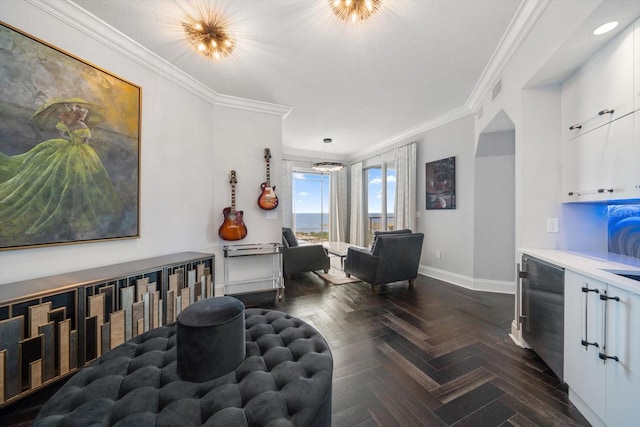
<point x="69" y="147"/>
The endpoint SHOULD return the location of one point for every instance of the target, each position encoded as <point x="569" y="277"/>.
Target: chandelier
<point x="207" y="33"/>
<point x="323" y="166"/>
<point x="354" y="10"/>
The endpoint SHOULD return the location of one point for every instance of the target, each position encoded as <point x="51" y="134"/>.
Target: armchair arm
<point x="360" y="262"/>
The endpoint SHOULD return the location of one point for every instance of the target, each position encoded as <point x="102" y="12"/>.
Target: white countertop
<point x="593" y="264"/>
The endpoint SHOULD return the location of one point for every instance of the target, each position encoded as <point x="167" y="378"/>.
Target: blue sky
<point x="311" y="191"/>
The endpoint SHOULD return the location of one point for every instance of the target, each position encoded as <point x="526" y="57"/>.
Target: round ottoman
<point x="284" y="380"/>
<point x="210" y="338"/>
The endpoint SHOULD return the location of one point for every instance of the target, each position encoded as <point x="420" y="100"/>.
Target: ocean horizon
<point x="317" y="222"/>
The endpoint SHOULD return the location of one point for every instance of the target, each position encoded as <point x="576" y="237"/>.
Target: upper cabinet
<point x="601" y="133"/>
<point x="602" y="90"/>
<point x="603" y="164"/>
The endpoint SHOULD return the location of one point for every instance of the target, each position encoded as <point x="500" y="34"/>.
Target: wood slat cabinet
<point x="52" y="326"/>
<point x="602" y="350"/>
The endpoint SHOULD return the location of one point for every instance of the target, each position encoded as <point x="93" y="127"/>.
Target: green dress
<point x="57" y="191"/>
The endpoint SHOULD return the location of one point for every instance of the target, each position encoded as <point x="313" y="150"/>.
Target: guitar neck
<point x="233" y="198"/>
<point x="268" y="173"/>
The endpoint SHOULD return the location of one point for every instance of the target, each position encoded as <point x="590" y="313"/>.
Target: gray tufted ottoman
<point x="284" y="380"/>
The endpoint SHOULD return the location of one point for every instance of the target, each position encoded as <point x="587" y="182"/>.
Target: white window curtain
<point x="284" y="195"/>
<point x="356" y="234"/>
<point x="405" y="203"/>
<point x="338" y="206"/>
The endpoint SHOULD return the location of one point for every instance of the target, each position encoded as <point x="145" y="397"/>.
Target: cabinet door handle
<point x="585" y="342"/>
<point x="606" y="111"/>
<point x="604" y="357"/>
<point x="605" y="190"/>
<point x="574" y="127"/>
<point x="603" y="354"/>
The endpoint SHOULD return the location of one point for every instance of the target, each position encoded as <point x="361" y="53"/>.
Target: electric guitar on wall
<point x="232" y="228"/>
<point x="268" y="199"/>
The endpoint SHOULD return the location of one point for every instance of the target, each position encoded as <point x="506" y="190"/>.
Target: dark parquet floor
<point x="430" y="355"/>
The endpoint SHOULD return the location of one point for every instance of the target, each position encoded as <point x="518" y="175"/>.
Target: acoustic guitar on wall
<point x="233" y="227"/>
<point x="268" y="199"/>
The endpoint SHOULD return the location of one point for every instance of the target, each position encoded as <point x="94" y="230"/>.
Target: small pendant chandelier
<point x="324" y="166"/>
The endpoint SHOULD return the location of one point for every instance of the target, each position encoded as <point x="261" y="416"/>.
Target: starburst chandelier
<point x="354" y="10"/>
<point x="208" y="34"/>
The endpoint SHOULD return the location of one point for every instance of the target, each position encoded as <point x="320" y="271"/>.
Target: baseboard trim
<point x="483" y="285"/>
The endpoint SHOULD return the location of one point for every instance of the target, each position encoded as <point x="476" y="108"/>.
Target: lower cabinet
<point x="602" y="350"/>
<point x="623" y="375"/>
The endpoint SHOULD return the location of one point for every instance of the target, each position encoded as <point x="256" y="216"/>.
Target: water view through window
<point x="380" y="196"/>
<point x="310" y="205"/>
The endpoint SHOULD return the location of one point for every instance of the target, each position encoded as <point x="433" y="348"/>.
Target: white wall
<point x="188" y="147"/>
<point x="494" y="216"/>
<point x="240" y="139"/>
<point x="448" y="231"/>
<point x="535" y="112"/>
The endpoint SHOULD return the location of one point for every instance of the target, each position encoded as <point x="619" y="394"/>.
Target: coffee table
<point x="338" y="249"/>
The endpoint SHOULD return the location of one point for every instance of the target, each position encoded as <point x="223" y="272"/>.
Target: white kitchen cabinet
<point x="602" y="90"/>
<point x="603" y="164"/>
<point x="623" y="342"/>
<point x="583" y="370"/>
<point x="602" y="350"/>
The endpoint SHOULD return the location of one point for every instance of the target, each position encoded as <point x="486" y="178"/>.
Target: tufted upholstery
<point x="285" y="380"/>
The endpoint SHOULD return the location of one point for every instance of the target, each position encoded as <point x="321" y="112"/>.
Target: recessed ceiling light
<point x="605" y="28"/>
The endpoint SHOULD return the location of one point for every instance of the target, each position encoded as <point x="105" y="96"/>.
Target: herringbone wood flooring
<point x="432" y="355"/>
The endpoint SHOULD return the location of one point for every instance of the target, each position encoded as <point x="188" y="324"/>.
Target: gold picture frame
<point x="69" y="147"/>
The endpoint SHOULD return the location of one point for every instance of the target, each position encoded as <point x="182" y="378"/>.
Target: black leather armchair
<point x="393" y="257"/>
<point x="298" y="258"/>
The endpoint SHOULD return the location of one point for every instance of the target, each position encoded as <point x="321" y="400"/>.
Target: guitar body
<point x="233" y="227"/>
<point x="268" y="199"/>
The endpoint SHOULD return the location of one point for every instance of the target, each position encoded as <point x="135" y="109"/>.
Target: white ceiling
<point x="362" y="84"/>
<point x="413" y="61"/>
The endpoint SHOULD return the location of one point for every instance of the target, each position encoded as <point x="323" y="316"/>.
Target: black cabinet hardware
<point x="605" y="357"/>
<point x="600" y="113"/>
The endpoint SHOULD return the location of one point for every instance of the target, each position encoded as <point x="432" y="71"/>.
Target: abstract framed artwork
<point x="69" y="147"/>
<point x="441" y="184"/>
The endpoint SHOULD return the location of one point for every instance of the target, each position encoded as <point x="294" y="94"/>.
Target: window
<point x="380" y="192"/>
<point x="310" y="206"/>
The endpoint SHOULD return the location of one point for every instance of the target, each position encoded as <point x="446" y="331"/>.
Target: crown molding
<point x="412" y="132"/>
<point x="229" y="101"/>
<point x="73" y="15"/>
<point x="523" y="21"/>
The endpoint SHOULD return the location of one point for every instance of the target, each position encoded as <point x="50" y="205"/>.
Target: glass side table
<point x="236" y="259"/>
